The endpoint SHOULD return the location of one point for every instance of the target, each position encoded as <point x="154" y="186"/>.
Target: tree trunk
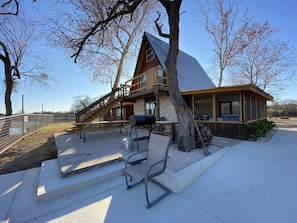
<point x="122" y="60"/>
<point x="186" y="132"/>
<point x="8" y="90"/>
<point x="220" y="78"/>
<point x="119" y="74"/>
<point x="5" y="58"/>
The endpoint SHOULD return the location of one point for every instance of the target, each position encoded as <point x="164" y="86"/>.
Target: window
<point x="228" y="107"/>
<point x="159" y="77"/>
<point x="150" y="108"/>
<point x="142" y="81"/>
<point x="225" y="108"/>
<point x="150" y="55"/>
<point x="231" y="107"/>
<point x="119" y="112"/>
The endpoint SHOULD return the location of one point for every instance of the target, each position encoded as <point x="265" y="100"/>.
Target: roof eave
<point x="229" y="89"/>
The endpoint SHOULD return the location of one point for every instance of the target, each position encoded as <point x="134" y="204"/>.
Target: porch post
<point x="214" y="112"/>
<point x="121" y="110"/>
<point x="158" y="105"/>
<point x="242" y="107"/>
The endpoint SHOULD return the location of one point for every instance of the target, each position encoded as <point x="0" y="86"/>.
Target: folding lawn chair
<point x="154" y="165"/>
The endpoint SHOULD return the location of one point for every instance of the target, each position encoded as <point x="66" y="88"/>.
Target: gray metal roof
<point x="191" y="75"/>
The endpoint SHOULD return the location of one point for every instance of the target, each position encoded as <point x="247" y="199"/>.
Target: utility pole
<point x="23" y="104"/>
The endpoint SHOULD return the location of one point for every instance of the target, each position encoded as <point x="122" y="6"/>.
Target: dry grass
<point x="32" y="150"/>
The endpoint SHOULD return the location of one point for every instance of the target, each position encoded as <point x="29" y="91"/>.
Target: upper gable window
<point x="150" y="55"/>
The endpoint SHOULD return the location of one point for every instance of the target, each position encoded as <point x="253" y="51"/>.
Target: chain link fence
<point x="15" y="127"/>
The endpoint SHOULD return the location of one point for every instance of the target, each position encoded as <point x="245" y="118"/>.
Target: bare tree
<point x="16" y="35"/>
<point x="219" y="19"/>
<point x="266" y="62"/>
<point x="120" y="8"/>
<point x="103" y="55"/>
<point x="10" y="7"/>
<point x="120" y="46"/>
<point x="80" y="102"/>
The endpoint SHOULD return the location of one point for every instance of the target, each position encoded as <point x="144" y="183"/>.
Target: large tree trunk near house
<point x="186" y="130"/>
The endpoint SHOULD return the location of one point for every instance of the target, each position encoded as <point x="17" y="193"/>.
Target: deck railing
<point x="147" y="80"/>
<point x="15" y="127"/>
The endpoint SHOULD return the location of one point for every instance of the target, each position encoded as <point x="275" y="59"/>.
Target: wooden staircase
<point x="101" y="106"/>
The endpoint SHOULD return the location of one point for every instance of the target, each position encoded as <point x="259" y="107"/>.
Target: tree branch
<point x="121" y="8"/>
<point x="4" y="57"/>
<point x="8" y="3"/>
<point x="16" y="72"/>
<point x="159" y="27"/>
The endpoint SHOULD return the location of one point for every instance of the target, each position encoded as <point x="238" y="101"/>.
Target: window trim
<point x="150" y="55"/>
<point x="150" y="108"/>
<point x="143" y="81"/>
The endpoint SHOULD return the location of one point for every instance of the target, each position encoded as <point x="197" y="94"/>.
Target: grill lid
<point x="140" y="120"/>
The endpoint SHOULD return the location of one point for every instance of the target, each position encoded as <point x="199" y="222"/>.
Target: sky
<point x="70" y="80"/>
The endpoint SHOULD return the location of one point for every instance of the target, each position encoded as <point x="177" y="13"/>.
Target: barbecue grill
<point x="141" y="120"/>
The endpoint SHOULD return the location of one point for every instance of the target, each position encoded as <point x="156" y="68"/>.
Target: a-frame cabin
<point x="149" y="89"/>
<point x="225" y="110"/>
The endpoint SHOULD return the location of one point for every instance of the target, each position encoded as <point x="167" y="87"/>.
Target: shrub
<point x="260" y="128"/>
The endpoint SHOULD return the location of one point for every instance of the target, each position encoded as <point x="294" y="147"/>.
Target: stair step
<point x="52" y="185"/>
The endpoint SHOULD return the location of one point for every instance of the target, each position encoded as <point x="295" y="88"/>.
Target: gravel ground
<point x="179" y="160"/>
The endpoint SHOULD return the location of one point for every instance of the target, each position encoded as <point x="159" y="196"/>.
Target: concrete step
<point x="51" y="184"/>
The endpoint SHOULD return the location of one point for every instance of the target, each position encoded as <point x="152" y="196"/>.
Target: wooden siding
<point x="228" y="129"/>
<point x="142" y="68"/>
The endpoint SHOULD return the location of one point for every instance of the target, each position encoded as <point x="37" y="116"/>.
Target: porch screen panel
<point x="254" y="108"/>
<point x="247" y="101"/>
<point x="228" y="107"/>
<point x="263" y="109"/>
<point x="259" y="108"/>
<point x="203" y="107"/>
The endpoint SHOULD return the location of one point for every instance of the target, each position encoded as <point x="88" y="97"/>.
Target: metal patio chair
<point x="154" y="165"/>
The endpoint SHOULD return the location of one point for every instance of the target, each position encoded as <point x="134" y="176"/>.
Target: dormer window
<point x="150" y="55"/>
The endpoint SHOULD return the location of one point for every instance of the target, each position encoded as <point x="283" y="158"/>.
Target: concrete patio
<point x="251" y="182"/>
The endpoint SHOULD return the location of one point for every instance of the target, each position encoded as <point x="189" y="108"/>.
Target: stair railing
<point x="121" y="91"/>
